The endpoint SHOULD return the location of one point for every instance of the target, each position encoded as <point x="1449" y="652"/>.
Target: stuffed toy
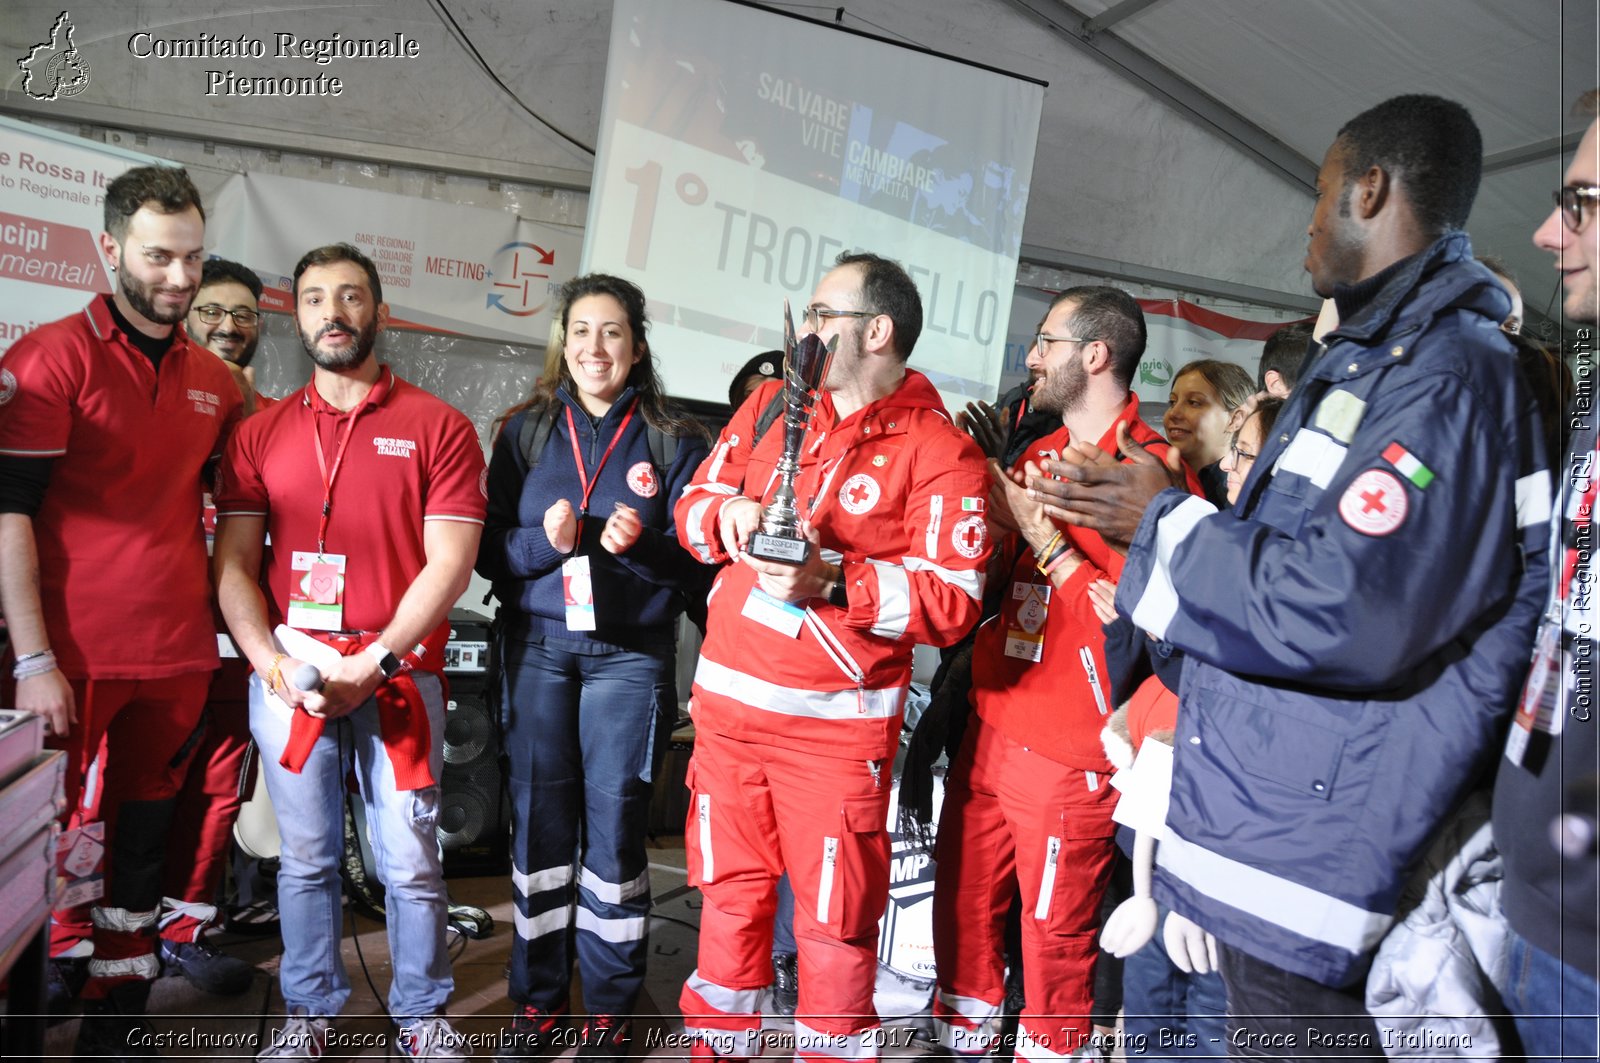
<point x="1149" y="716"/>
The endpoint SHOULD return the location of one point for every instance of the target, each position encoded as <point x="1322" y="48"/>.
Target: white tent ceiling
<point x="1177" y="143"/>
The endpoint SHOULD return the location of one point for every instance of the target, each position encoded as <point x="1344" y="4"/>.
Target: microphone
<point x="307" y="678"/>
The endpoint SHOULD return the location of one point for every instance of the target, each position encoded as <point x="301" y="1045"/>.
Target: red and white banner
<point x="52" y="210"/>
<point x="444" y="267"/>
<point x="1183" y="332"/>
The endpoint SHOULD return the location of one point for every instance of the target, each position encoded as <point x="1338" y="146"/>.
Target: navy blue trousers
<point x="580" y="732"/>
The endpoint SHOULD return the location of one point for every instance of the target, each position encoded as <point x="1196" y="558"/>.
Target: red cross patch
<point x="968" y="535"/>
<point x="642" y="478"/>
<point x="1374" y="504"/>
<point x="859" y="493"/>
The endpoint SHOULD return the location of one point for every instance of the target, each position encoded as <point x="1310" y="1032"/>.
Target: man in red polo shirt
<point x="372" y="493"/>
<point x="108" y="422"/>
<point x="1028" y="803"/>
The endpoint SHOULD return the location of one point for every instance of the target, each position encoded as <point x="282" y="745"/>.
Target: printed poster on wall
<point x="444" y="267"/>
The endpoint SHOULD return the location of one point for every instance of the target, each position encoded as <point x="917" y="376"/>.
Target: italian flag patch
<point x="971" y="505"/>
<point x="1412" y="469"/>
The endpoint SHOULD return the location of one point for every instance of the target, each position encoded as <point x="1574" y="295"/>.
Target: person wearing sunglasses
<point x="1545" y="808"/>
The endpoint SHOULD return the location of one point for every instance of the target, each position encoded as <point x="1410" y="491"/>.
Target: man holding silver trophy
<point x="856" y="533"/>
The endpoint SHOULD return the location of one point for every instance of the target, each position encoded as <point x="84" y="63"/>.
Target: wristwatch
<point x="388" y="663"/>
<point x="838" y="594"/>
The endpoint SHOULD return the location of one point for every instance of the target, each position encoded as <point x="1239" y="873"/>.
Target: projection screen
<point x="741" y="150"/>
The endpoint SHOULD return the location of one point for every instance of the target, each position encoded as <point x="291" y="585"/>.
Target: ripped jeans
<point x="310" y="812"/>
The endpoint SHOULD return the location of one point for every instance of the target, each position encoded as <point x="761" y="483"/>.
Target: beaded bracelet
<point x="276" y="671"/>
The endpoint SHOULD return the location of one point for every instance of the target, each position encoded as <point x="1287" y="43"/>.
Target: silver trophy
<point x="805" y="366"/>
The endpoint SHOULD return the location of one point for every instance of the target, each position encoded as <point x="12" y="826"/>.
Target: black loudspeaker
<point x="475" y="816"/>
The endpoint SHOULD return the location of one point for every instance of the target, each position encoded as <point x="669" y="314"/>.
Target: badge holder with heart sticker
<point x="316" y="591"/>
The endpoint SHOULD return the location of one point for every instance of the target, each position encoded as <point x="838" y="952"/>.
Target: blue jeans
<point x="580" y="730"/>
<point x="1553" y="1005"/>
<point x="403" y="824"/>
<point x="783" y="920"/>
<point x="1166" y="1013"/>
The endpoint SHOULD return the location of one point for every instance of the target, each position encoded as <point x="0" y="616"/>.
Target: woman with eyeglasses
<point x="580" y="545"/>
<point x="1247" y="443"/>
<point x="1205" y="393"/>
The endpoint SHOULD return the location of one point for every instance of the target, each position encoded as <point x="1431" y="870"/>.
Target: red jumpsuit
<point x="795" y="733"/>
<point x="1028" y="802"/>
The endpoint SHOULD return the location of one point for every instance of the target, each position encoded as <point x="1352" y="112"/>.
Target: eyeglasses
<point x="813" y="315"/>
<point x="1041" y="339"/>
<point x="1240" y="456"/>
<point x="1570" y="198"/>
<point x="211" y="313"/>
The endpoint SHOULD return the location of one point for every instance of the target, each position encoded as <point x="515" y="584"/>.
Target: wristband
<point x="1059" y="558"/>
<point x="1050" y="547"/>
<point x="1052" y="556"/>
<point x="32" y="664"/>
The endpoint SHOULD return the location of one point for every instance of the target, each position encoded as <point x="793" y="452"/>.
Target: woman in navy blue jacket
<point x="581" y="548"/>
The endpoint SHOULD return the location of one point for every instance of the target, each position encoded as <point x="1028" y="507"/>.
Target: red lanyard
<point x="577" y="455"/>
<point x="327" y="475"/>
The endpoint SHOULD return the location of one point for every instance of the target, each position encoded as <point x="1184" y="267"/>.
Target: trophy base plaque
<point x="779" y="548"/>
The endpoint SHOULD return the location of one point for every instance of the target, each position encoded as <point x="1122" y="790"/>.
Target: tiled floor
<point x="189" y="1024"/>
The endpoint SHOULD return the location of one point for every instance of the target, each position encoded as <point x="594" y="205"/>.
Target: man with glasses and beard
<point x="801" y="685"/>
<point x="372" y="492"/>
<point x="1028" y="803"/>
<point x="226" y="320"/>
<point x="109" y="423"/>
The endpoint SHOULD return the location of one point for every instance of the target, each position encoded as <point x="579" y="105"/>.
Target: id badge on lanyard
<point x="316" y="591"/>
<point x="1023" y="615"/>
<point x="316" y="577"/>
<point x="577" y="578"/>
<point x="1539" y="709"/>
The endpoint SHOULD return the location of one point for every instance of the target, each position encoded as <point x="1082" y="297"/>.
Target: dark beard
<point x="246" y="354"/>
<point x="353" y="353"/>
<point x="1057" y="396"/>
<point x="140" y="297"/>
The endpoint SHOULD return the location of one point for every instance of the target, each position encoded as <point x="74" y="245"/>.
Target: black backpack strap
<point x="770" y="413"/>
<point x="537" y="424"/>
<point x="663" y="447"/>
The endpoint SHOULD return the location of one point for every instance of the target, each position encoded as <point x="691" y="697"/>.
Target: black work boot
<point x="785" y="983"/>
